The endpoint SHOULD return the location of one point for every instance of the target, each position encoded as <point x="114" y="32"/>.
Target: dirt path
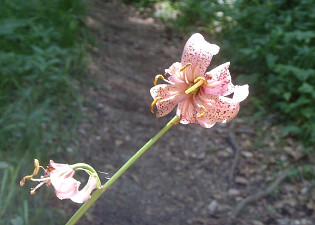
<point x="183" y="178"/>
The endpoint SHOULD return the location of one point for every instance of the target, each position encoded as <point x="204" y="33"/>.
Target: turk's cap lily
<point x="60" y="176"/>
<point x="201" y="97"/>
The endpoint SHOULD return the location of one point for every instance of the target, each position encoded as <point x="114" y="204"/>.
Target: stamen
<point x="200" y="78"/>
<point x="43" y="179"/>
<point x="35" y="188"/>
<point x="179" y="119"/>
<point x="204" y="111"/>
<point x="160" y="76"/>
<point x="198" y="82"/>
<point x="35" y="172"/>
<point x="154" y="102"/>
<point x="200" y="106"/>
<point x="170" y="98"/>
<point x="184" y="67"/>
<point x="157" y="77"/>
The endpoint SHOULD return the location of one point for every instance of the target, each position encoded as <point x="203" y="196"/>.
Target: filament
<point x="154" y="103"/>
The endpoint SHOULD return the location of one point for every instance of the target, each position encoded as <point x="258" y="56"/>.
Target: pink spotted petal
<point x="206" y="122"/>
<point x="187" y="111"/>
<point x="170" y="95"/>
<point x="222" y="109"/>
<point x="219" y="81"/>
<point x="85" y="194"/>
<point x="199" y="53"/>
<point x="177" y="76"/>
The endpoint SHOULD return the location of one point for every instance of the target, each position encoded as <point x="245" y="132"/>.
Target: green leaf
<point x="291" y="129"/>
<point x="306" y="88"/>
<point x="287" y="96"/>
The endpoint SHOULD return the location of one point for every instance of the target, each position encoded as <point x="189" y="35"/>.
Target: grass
<point x="42" y="57"/>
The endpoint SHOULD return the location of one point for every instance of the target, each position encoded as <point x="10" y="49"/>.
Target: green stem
<point x="82" y="210"/>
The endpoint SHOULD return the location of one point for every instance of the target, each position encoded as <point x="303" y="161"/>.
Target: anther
<point x="184" y="67"/>
<point x="157" y="77"/>
<point x="154" y="103"/>
<point x="35" y="172"/>
<point x="200" y="78"/>
<point x="32" y="192"/>
<point x="203" y="111"/>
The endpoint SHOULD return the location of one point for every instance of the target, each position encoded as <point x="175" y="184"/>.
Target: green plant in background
<point x="166" y="11"/>
<point x="41" y="54"/>
<point x="209" y="16"/>
<point x="275" y="42"/>
<point x="142" y="3"/>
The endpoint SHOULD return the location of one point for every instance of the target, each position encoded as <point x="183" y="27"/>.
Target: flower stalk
<point x="82" y="210"/>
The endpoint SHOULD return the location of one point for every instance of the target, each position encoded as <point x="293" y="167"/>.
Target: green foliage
<point x="208" y="16"/>
<point x="142" y="3"/>
<point x="305" y="172"/>
<point x="38" y="42"/>
<point x="278" y="50"/>
<point x="41" y="55"/>
<point x="166" y="11"/>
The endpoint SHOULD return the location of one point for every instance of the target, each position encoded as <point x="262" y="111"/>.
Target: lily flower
<point x="61" y="177"/>
<point x="201" y="96"/>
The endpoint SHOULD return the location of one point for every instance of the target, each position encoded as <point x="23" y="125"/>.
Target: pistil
<point x="198" y="82"/>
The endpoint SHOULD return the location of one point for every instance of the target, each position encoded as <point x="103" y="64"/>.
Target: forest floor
<point x="188" y="176"/>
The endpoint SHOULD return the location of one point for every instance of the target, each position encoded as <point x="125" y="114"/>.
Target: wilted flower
<point x="200" y="95"/>
<point x="61" y="178"/>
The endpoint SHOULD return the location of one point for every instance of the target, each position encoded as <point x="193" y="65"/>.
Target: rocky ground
<point x="192" y="175"/>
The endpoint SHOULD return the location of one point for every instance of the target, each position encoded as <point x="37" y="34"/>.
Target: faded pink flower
<point x="200" y="95"/>
<point x="66" y="187"/>
<point x="61" y="178"/>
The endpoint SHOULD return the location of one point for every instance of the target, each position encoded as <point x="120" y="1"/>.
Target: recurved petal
<point x="222" y="109"/>
<point x="57" y="166"/>
<point x="206" y="122"/>
<point x="219" y="81"/>
<point x="85" y="194"/>
<point x="62" y="180"/>
<point x="176" y="75"/>
<point x="199" y="53"/>
<point x="170" y="96"/>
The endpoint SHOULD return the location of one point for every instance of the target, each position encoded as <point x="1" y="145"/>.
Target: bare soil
<point x="184" y="177"/>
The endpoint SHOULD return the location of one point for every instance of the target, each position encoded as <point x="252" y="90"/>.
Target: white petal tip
<point x="214" y="49"/>
<point x="241" y="92"/>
